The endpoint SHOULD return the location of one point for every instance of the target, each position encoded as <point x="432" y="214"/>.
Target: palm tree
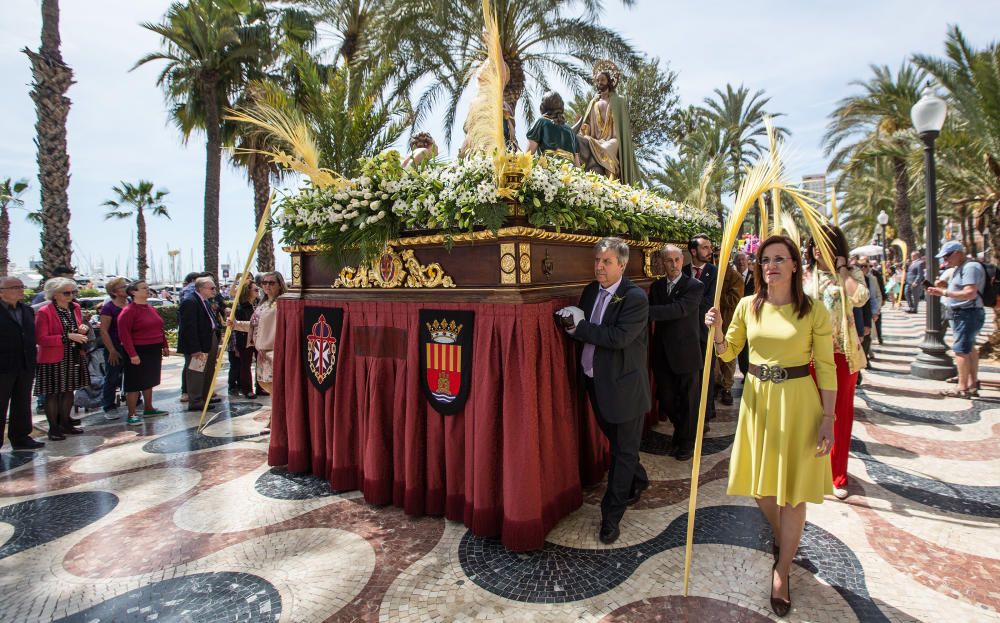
<point x="207" y="45"/>
<point x="876" y="123"/>
<point x="701" y="148"/>
<point x="52" y="79"/>
<point x="538" y="38"/>
<point x="972" y="78"/>
<point x="10" y="197"/>
<point x="741" y="118"/>
<point x="136" y="200"/>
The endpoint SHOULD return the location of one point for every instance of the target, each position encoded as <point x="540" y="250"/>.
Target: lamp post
<point x="933" y="362"/>
<point x="883" y="220"/>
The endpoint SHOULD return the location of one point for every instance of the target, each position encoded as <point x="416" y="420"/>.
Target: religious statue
<point x="603" y="133"/>
<point x="550" y="134"/>
<point x="422" y="149"/>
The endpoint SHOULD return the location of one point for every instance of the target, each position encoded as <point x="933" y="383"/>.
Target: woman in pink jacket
<point x="62" y="364"/>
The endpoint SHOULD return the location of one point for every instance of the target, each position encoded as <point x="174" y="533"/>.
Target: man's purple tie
<point x="587" y="359"/>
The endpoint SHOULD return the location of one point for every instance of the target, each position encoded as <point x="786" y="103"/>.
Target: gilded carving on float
<point x="296" y="270"/>
<point x="508" y="264"/>
<point x="395" y="270"/>
<point x="647" y="263"/>
<point x="503" y="232"/>
<point x="524" y="261"/>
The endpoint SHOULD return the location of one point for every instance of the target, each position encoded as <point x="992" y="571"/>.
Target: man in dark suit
<point x="197" y="330"/>
<point x="742" y="265"/>
<point x="612" y="325"/>
<point x="17" y="364"/>
<point x="701" y="268"/>
<point x="675" y="309"/>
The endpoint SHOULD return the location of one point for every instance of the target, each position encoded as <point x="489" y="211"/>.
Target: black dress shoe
<point x="609" y="534"/>
<point x="633" y="498"/>
<point x="27" y="444"/>
<point x="194" y="406"/>
<point x="780" y="606"/>
<point x="683" y="455"/>
<point x="56" y="435"/>
<point x="726" y="397"/>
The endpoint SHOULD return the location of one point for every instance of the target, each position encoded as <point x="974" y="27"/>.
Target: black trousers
<point x="15" y="404"/>
<point x="626" y="473"/>
<point x="678" y="396"/>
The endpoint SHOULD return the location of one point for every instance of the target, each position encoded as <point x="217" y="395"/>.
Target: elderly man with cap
<point x="17" y="364"/>
<point x="963" y="298"/>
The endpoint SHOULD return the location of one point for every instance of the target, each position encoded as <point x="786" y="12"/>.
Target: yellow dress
<point x="775" y="446"/>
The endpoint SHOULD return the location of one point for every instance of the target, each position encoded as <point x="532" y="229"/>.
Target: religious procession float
<point x="416" y="357"/>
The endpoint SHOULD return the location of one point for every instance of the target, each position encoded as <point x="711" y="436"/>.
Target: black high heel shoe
<point x="781" y="607"/>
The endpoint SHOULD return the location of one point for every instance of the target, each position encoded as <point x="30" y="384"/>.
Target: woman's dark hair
<point x="132" y="287"/>
<point x="803" y="304"/>
<point x="246" y="294"/>
<point x="838" y="244"/>
<point x="553" y="108"/>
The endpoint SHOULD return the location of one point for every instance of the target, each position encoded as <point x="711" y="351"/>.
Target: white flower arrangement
<point x="462" y="194"/>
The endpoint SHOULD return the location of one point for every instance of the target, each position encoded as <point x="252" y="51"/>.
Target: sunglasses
<point x="268" y="283"/>
<point x="69" y="292"/>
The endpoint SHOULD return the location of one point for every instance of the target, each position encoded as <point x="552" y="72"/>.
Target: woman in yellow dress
<point x="785" y="427"/>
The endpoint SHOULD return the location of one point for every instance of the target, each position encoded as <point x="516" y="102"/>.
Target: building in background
<point x="816" y="183"/>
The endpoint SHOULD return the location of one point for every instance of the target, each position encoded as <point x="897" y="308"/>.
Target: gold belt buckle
<point x="773" y="374"/>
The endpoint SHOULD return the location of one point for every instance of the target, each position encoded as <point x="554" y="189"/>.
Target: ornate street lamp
<point x="933" y="362"/>
<point x="883" y="220"/>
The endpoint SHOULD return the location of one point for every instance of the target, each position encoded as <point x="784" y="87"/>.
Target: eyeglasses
<point x="268" y="283"/>
<point x="69" y="292"/>
<point x="777" y="260"/>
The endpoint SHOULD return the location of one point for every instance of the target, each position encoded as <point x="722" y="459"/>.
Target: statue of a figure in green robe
<point x="603" y="133"/>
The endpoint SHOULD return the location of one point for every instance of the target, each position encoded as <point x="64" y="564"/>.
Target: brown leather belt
<point x="777" y="374"/>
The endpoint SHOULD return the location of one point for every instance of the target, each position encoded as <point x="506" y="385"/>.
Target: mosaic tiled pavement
<point x="161" y="523"/>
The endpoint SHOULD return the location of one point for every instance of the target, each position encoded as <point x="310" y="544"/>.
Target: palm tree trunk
<point x="213" y="172"/>
<point x="260" y="175"/>
<point x="140" y="229"/>
<point x="901" y="203"/>
<point x="514" y="88"/>
<point x="4" y="239"/>
<point x="52" y="79"/>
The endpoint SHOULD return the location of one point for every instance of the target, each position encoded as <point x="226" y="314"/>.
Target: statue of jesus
<point x="604" y="135"/>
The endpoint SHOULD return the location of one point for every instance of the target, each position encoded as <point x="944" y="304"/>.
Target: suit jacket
<point x="195" y="329"/>
<point x="49" y="332"/>
<point x="732" y="292"/>
<point x="676" y="317"/>
<point x="708" y="275"/>
<point x="18" y="349"/>
<point x="749" y="286"/>
<point x="621" y="377"/>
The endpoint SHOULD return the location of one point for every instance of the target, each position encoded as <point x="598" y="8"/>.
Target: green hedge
<point x="169" y="315"/>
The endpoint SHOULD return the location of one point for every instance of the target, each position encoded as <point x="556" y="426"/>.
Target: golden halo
<point x="610" y="67"/>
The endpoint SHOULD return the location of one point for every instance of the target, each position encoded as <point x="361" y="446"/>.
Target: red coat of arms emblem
<point x="322" y="339"/>
<point x="446" y="358"/>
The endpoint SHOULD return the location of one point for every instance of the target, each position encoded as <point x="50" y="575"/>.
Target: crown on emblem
<point x="444" y="332"/>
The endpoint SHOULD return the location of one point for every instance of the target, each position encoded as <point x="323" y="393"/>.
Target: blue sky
<point x="803" y="54"/>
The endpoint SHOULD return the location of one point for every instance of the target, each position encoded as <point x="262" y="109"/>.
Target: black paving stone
<point x="981" y="501"/>
<point x="580" y="574"/>
<point x="655" y="442"/>
<point x="201" y="598"/>
<point x="15" y="459"/>
<point x="279" y="484"/>
<point x="923" y="416"/>
<point x="43" y="520"/>
<point x="189" y="439"/>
